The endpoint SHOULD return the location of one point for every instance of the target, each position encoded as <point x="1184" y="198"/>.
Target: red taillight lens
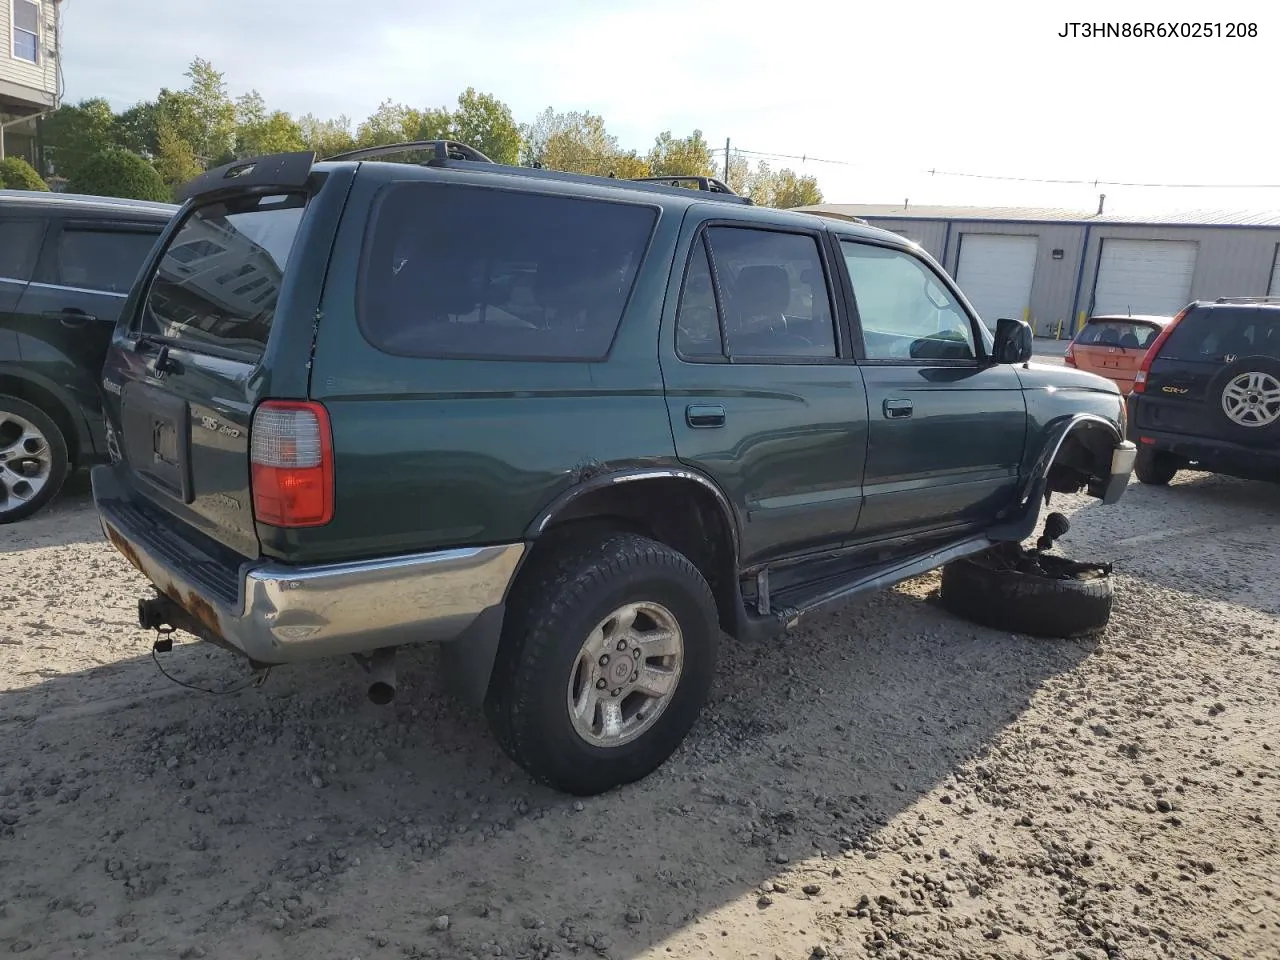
<point x="291" y="462"/>
<point x="1069" y="358"/>
<point x="1140" y="378"/>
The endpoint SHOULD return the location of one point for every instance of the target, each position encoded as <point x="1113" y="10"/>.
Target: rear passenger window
<point x="471" y="272"/>
<point x="107" y="260"/>
<point x="220" y="276"/>
<point x="773" y="293"/>
<point x="697" y="322"/>
<point x="19" y="247"/>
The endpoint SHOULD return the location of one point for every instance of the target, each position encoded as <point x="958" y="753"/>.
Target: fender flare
<point x="602" y="481"/>
<point x="1019" y="518"/>
<point x="84" y="445"/>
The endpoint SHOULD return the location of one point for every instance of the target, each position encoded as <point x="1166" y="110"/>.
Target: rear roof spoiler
<point x="284" y="170"/>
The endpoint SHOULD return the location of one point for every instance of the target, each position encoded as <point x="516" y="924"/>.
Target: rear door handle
<point x="71" y="317"/>
<point x="704" y="415"/>
<point x="898" y="409"/>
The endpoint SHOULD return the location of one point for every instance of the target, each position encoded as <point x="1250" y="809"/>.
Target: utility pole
<point x="726" y="160"/>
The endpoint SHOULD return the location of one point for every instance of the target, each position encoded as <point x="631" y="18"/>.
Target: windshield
<point x="1130" y="334"/>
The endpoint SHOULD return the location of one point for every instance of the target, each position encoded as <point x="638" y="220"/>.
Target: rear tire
<point x="1044" y="599"/>
<point x="33" y="459"/>
<point x="581" y="605"/>
<point x="1155" y="467"/>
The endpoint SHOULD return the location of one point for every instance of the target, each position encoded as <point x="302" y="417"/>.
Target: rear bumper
<point x="1218" y="456"/>
<point x="288" y="613"/>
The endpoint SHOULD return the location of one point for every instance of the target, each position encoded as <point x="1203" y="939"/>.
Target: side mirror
<point x="1015" y="341"/>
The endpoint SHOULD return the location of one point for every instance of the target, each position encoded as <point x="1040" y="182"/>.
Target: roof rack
<point x="709" y="184"/>
<point x="1275" y="299"/>
<point x="442" y="150"/>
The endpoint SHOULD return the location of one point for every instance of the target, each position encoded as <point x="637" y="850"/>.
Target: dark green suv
<point x="573" y="429"/>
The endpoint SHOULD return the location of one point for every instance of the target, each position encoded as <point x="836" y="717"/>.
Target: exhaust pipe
<point x="381" y="667"/>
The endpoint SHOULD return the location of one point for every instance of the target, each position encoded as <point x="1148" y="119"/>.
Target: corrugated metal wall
<point x="1230" y="262"/>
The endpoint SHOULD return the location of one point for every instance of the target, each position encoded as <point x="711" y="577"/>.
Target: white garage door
<point x="1144" y="276"/>
<point x="1274" y="289"/>
<point x="995" y="273"/>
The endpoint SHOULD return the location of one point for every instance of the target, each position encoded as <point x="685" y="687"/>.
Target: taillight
<point x="291" y="464"/>
<point x="1140" y="378"/>
<point x="1069" y="358"/>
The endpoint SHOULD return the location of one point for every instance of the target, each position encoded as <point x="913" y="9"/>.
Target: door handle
<point x="704" y="415"/>
<point x="898" y="409"/>
<point x="71" y="317"/>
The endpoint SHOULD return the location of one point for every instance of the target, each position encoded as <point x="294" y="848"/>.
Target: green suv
<point x="572" y="429"/>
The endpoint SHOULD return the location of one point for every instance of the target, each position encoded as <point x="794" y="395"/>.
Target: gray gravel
<point x="890" y="783"/>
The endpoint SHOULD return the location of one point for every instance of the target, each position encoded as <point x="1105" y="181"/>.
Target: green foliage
<point x="17" y="174"/>
<point x="579" y="143"/>
<point x="485" y="122"/>
<point x="79" y="132"/>
<point x="687" y="156"/>
<point x="119" y="173"/>
<point x="183" y="132"/>
<point x="326" y="137"/>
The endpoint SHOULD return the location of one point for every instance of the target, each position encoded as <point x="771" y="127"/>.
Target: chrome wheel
<point x="625" y="674"/>
<point x="1252" y="399"/>
<point x="26" y="461"/>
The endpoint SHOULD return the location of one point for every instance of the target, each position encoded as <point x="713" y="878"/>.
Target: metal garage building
<point x="1050" y="266"/>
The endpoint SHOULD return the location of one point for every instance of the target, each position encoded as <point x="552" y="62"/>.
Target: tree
<point x="213" y="112"/>
<point x="77" y="133"/>
<point x="175" y="161"/>
<point x="485" y="122"/>
<point x="259" y="133"/>
<point x="326" y="137"/>
<point x="119" y="173"/>
<point x="390" y="123"/>
<point x="17" y="174"/>
<point x="138" y="127"/>
<point x="685" y="156"/>
<point x="790" y="190"/>
<point x="579" y="143"/>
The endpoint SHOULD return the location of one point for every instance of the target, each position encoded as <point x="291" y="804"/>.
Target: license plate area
<point x="157" y="438"/>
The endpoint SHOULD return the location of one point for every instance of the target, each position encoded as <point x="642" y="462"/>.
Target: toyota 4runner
<point x="572" y="429"/>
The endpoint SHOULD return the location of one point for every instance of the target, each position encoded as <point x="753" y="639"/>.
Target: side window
<point x="482" y="273"/>
<point x="219" y="278"/>
<point x="106" y="260"/>
<point x="698" y="321"/>
<point x="19" y="248"/>
<point x="905" y="311"/>
<point x="774" y="291"/>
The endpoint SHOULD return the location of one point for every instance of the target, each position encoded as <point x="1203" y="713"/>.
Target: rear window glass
<point x="19" y="246"/>
<point x="102" y="259"/>
<point x="1214" y="335"/>
<point x="1118" y="333"/>
<point x="220" y="276"/>
<point x="460" y="271"/>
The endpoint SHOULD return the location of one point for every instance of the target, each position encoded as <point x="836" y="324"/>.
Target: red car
<point x="1113" y="346"/>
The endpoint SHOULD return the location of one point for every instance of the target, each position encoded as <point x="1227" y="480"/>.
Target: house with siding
<point x="1054" y="268"/>
<point x="30" y="73"/>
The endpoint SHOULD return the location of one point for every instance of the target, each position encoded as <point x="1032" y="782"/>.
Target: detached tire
<point x="1155" y="467"/>
<point x="606" y="659"/>
<point x="33" y="459"/>
<point x="1053" y="597"/>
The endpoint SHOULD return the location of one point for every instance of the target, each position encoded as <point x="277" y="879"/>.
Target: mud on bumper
<point x="276" y="613"/>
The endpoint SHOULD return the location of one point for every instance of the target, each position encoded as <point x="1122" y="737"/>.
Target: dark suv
<point x="1207" y="396"/>
<point x="66" y="264"/>
<point x="571" y="428"/>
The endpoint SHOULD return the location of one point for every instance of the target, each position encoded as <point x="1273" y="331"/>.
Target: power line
<point x="807" y="158"/>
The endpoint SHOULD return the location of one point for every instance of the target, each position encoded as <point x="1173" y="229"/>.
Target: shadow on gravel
<point x="1205" y="534"/>
<point x="62" y="523"/>
<point x="139" y="819"/>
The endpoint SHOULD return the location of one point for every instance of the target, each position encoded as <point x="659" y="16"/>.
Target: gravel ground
<point x="888" y="783"/>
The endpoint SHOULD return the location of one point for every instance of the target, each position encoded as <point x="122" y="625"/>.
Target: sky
<point x="891" y="90"/>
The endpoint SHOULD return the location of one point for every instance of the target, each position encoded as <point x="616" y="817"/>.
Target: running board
<point x="821" y="596"/>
